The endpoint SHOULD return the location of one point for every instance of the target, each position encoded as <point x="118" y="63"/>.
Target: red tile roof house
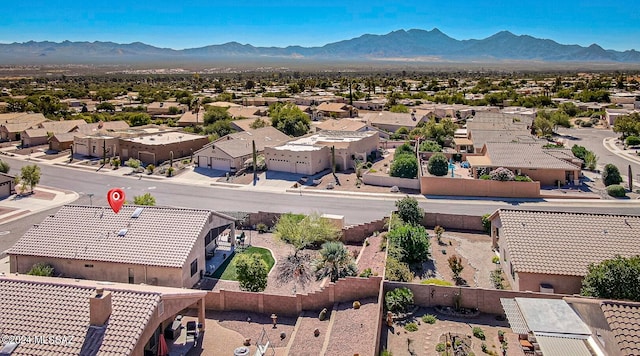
<point x="150" y="245"/>
<point x="551" y="251"/>
<point x="58" y="316"/>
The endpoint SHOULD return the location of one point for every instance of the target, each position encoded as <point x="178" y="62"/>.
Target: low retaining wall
<point x="387" y="181"/>
<point x="485" y="300"/>
<point x="344" y="290"/>
<point x="478" y="187"/>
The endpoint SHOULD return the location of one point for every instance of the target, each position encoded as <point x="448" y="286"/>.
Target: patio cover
<point x="514" y="316"/>
<point x="561" y="346"/>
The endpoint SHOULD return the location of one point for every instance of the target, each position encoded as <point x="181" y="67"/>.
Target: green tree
<point x="258" y="123"/>
<point x="410" y="243"/>
<point x="579" y="151"/>
<point x="399" y="108"/>
<point x="409" y="211"/>
<point x="4" y="167"/>
<point x="611" y="175"/>
<point x="289" y="119"/>
<point x="404" y="149"/>
<point x="543" y="126"/>
<point x="219" y="128"/>
<point x="139" y="119"/>
<point x="430" y="146"/>
<point x="144" y="199"/>
<point x="216" y="113"/>
<point x="303" y="231"/>
<point x="617" y="278"/>
<point x="405" y="166"/>
<point x="334" y="262"/>
<point x="632" y="141"/>
<point x="41" y="269"/>
<point x="252" y="272"/>
<point x="29" y="176"/>
<point x="560" y="118"/>
<point x="438" y="165"/>
<point x="627" y="125"/>
<point x="105" y="106"/>
<point x="590" y="160"/>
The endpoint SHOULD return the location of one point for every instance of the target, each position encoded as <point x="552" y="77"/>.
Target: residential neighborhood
<point x="320" y="214"/>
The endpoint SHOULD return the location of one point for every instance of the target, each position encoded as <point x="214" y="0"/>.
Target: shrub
<point x="4" y="167"/>
<point x="356" y="304"/>
<point x="457" y="157"/>
<point x="495" y="259"/>
<point x="437" y="282"/>
<point x="616" y="190"/>
<point x="523" y="179"/>
<point x="252" y="272"/>
<point x="403" y="149"/>
<point x="41" y="269"/>
<point x="262" y="228"/>
<point x="170" y="171"/>
<point x="586" y="124"/>
<point x="429" y="319"/>
<point x="430" y="146"/>
<point x="133" y="163"/>
<point x="497" y="279"/>
<point x="404" y="166"/>
<point x="412" y="241"/>
<point x="411" y="327"/>
<point x="409" y="211"/>
<point x="579" y="151"/>
<point x="366" y="273"/>
<point x="485" y="177"/>
<point x="486" y="223"/>
<point x="398" y="271"/>
<point x="477" y="332"/>
<point x="438" y="165"/>
<point x="441" y="347"/>
<point x="502" y="174"/>
<point x="323" y="314"/>
<point x="611" y="175"/>
<point x="633" y="141"/>
<point x="398" y="300"/>
<point x="150" y="168"/>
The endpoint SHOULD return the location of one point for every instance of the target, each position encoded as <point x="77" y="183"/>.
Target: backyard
<point x="227" y="270"/>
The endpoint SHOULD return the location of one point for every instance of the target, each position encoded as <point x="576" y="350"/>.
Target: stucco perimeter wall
<point x="387" y="181"/>
<point x="344" y="290"/>
<point x="485" y="300"/>
<point x="454" y="221"/>
<point x="478" y="188"/>
<point x="357" y="233"/>
<point x="263" y="217"/>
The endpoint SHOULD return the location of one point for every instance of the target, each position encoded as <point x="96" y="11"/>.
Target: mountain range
<point x="401" y="45"/>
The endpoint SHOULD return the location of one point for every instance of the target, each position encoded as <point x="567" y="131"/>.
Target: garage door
<point x="147" y="157"/>
<point x="220" y="164"/>
<point x="279" y="165"/>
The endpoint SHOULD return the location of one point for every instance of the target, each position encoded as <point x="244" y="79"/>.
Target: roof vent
<point x="122" y="232"/>
<point x="136" y="213"/>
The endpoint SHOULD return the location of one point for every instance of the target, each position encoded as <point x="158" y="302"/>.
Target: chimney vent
<point x="100" y="307"/>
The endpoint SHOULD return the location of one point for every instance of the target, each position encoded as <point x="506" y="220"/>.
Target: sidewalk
<point x="44" y="198"/>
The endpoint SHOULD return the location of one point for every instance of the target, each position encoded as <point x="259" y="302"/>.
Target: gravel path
<point x="372" y="257"/>
<point x="305" y="342"/>
<point x="237" y="321"/>
<point x="354" y="330"/>
<point x="476" y="249"/>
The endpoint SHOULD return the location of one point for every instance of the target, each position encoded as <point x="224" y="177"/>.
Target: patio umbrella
<point x="163" y="349"/>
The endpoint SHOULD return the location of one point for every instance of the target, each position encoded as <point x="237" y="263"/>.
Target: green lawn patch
<point x="227" y="270"/>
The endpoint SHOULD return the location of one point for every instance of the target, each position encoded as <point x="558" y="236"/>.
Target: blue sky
<point x="613" y="24"/>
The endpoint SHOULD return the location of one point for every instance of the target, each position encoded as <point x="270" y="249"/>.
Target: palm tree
<point x="334" y="262"/>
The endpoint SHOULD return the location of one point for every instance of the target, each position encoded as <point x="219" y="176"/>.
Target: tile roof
<point x="624" y="322"/>
<point x="35" y="133"/>
<point x="332" y="107"/>
<point x="245" y="124"/>
<point x="566" y="243"/>
<point x="249" y="112"/>
<point x="62" y="126"/>
<point x="341" y="125"/>
<point x="527" y="155"/>
<point x="392" y="118"/>
<point x="158" y="237"/>
<point x="29" y="308"/>
<point x="239" y="144"/>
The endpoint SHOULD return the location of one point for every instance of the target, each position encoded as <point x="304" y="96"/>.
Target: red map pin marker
<point x="115" y="197"/>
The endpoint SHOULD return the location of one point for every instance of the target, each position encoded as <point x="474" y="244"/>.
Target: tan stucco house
<point x="551" y="251"/>
<point x="64" y="316"/>
<point x="230" y="152"/>
<point x="150" y="245"/>
<point x="312" y="154"/>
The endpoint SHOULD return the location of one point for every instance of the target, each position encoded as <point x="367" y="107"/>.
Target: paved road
<point x="591" y="138"/>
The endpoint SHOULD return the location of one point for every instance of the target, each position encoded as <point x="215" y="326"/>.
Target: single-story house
<point x="34" y="137"/>
<point x="192" y="118"/>
<point x="230" y="152"/>
<point x="245" y="124"/>
<point x="62" y="125"/>
<point x="247" y="112"/>
<point x="164" y="108"/>
<point x="392" y="121"/>
<point x="64" y="316"/>
<point x="547" y="166"/>
<point x="159" y="147"/>
<point x="61" y="141"/>
<point x="551" y="251"/>
<point x="13" y="124"/>
<point x="336" y="110"/>
<point x="341" y="125"/>
<point x="312" y="153"/>
<point x="150" y="245"/>
<point x="7" y="185"/>
<point x="372" y="105"/>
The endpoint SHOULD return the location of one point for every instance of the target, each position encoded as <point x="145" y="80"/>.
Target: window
<point x="88" y="266"/>
<point x="131" y="279"/>
<point x="194" y="267"/>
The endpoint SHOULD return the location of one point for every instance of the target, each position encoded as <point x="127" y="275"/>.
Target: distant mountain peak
<point x="412" y="44"/>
